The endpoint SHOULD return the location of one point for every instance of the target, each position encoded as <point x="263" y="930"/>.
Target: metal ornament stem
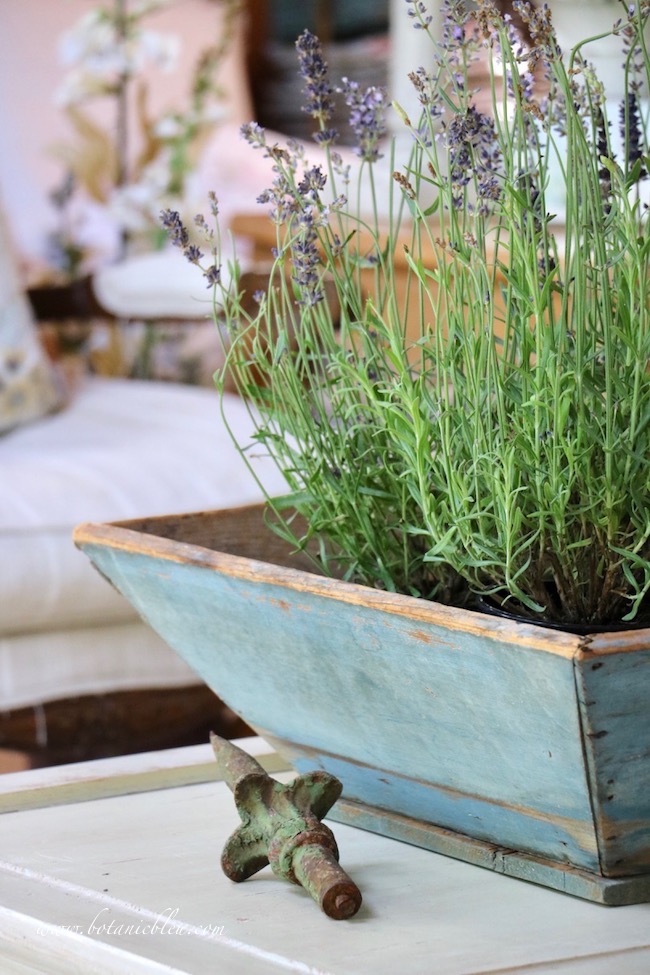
<point x="281" y="826"/>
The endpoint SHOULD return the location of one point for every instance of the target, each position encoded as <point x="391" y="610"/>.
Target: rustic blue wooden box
<point x="513" y="747"/>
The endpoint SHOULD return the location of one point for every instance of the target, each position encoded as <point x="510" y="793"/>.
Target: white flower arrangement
<point x="103" y="47"/>
<point x="106" y="53"/>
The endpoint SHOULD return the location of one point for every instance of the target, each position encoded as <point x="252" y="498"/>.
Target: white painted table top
<point x="113" y="867"/>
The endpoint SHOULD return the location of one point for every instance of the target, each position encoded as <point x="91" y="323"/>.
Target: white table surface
<point x="113" y="866"/>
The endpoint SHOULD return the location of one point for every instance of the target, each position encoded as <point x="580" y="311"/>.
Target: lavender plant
<point x="481" y="423"/>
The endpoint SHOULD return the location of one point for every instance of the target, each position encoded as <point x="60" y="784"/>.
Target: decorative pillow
<point x="28" y="382"/>
<point x="154" y="293"/>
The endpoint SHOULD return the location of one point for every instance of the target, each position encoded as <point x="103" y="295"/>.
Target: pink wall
<point x="30" y="73"/>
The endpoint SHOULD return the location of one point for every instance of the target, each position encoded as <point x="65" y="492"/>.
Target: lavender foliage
<point x="477" y="423"/>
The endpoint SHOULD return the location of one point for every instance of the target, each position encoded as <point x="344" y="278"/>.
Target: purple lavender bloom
<point x="254" y="134"/>
<point x="326" y="137"/>
<point x="212" y="275"/>
<point x="455" y="17"/>
<point x="419" y="13"/>
<point x="281" y="195"/>
<point x="474" y="152"/>
<point x="634" y="59"/>
<point x="179" y="236"/>
<point x="170" y="219"/>
<point x="341" y="168"/>
<point x="312" y="182"/>
<point x="367" y="110"/>
<point x="318" y="91"/>
<point x="604" y="151"/>
<point x="176" y="231"/>
<point x="466" y="131"/>
<point x="631" y="131"/>
<point x="306" y="259"/>
<point x="214" y="203"/>
<point x="489" y="187"/>
<point x="540" y="28"/>
<point x="202" y="224"/>
<point x="428" y="91"/>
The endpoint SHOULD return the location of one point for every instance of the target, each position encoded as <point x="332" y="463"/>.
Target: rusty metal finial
<point x="281" y="825"/>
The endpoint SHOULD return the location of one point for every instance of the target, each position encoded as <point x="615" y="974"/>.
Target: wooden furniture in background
<point x="120" y="723"/>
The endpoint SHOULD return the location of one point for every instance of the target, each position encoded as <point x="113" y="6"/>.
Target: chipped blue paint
<point x="471" y="815"/>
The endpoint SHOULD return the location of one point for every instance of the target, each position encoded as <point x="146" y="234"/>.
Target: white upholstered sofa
<point x="117" y="449"/>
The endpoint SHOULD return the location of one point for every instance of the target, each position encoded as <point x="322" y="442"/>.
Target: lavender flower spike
<point x="176" y="230"/>
<point x="367" y="111"/>
<point x="305" y="259"/>
<point x="418" y="11"/>
<point x="318" y="91"/>
<point x="179" y="237"/>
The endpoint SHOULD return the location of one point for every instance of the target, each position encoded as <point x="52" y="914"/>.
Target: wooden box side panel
<point x="614" y="694"/>
<point x="242" y="531"/>
<point x="481" y="721"/>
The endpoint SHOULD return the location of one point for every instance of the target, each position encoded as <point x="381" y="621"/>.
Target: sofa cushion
<point x="28" y="383"/>
<point x="56" y="665"/>
<point x="122" y="449"/>
<point x="159" y="285"/>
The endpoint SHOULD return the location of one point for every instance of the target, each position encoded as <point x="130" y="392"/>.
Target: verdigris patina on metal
<point x="281" y="826"/>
